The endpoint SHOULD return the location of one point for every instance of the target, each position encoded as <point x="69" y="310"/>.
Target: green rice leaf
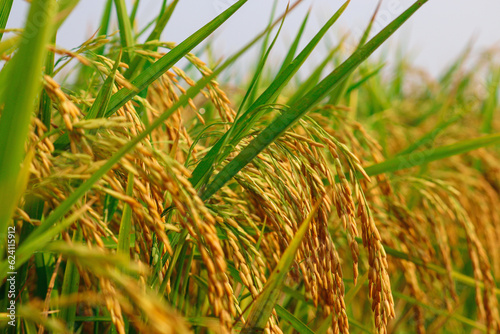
<point x="298" y="110"/>
<point x="295" y="45"/>
<point x="341" y="89"/>
<point x="71" y="282"/>
<point x="157" y="69"/>
<point x="172" y="264"/>
<point x="65" y="8"/>
<point x="424" y="157"/>
<point x="248" y="119"/>
<point x="105" y="20"/>
<point x="45" y="113"/>
<point x="126" y="37"/>
<point x="447" y="76"/>
<point x="251" y="92"/>
<point x="101" y="102"/>
<point x="491" y="103"/>
<point x="296" y="323"/>
<point x="260" y="66"/>
<point x="5" y="7"/>
<point x="133" y="13"/>
<point x="314" y="77"/>
<point x="126" y="222"/>
<point x="429" y="137"/>
<point x="39" y="239"/>
<point x="441" y="312"/>
<point x="16" y="116"/>
<point x="161" y="23"/>
<point x="364" y="79"/>
<point x="266" y="301"/>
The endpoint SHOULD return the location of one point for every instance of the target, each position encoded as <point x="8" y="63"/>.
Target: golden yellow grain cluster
<point x="247" y="226"/>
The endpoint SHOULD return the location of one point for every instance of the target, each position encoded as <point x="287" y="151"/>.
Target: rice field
<point x="142" y="193"/>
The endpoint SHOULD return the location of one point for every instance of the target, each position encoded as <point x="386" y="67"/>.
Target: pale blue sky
<point x="434" y="36"/>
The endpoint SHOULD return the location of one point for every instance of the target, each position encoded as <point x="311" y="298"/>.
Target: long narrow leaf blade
<point x="289" y="117"/>
<point x="431" y="135"/>
<point x="260" y="67"/>
<point x="101" y="102"/>
<point x="18" y="99"/>
<point x="340" y="90"/>
<point x="293" y="48"/>
<point x="287" y="74"/>
<point x="6" y="6"/>
<point x="126" y="222"/>
<point x="105" y="21"/>
<point x="157" y="69"/>
<point x="139" y="62"/>
<point x="266" y="301"/>
<point x="65" y="8"/>
<point x="296" y="323"/>
<point x="125" y="29"/>
<point x="248" y="118"/>
<point x="71" y="282"/>
<point x="421" y="158"/>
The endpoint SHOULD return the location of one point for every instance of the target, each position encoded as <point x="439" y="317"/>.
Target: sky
<point x="432" y="38"/>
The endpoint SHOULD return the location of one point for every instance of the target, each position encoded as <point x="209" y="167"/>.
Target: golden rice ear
<point x="374" y="212"/>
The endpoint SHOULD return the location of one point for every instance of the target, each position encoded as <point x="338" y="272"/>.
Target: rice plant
<point x="143" y="195"/>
